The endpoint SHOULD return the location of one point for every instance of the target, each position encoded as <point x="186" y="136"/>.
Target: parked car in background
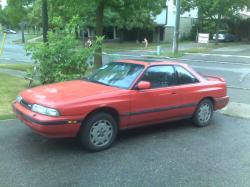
<point x="9" y="31"/>
<point x="225" y="36"/>
<point x="121" y="95"/>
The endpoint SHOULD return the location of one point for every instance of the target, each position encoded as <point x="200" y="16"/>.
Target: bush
<point x="62" y="57"/>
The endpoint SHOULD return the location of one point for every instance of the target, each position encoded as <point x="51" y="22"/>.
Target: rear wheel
<point x="203" y="113"/>
<point x="98" y="132"/>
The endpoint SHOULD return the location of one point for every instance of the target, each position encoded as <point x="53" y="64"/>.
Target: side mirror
<point x="142" y="85"/>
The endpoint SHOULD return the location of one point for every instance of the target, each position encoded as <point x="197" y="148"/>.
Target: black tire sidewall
<point x="196" y="116"/>
<point x="84" y="135"/>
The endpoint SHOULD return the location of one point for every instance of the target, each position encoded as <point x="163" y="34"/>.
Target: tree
<point x="98" y="13"/>
<point x="118" y="13"/>
<point x="215" y="10"/>
<point x="132" y="11"/>
<point x="45" y="20"/>
<point x="17" y="10"/>
<point x="3" y="17"/>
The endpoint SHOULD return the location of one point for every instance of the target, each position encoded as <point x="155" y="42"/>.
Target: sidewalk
<point x="14" y="73"/>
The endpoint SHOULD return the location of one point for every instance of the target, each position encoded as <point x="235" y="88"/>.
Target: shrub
<point x="62" y="57"/>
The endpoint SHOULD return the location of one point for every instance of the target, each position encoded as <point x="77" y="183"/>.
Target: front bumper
<point x="55" y="127"/>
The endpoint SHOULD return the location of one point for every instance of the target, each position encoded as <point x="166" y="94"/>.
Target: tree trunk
<point x="45" y="20"/>
<point x="76" y="32"/>
<point x="99" y="32"/>
<point x="218" y="23"/>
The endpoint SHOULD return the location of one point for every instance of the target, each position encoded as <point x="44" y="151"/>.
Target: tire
<point x="204" y="113"/>
<point x="98" y="132"/>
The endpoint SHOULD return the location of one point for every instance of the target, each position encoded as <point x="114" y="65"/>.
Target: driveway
<point x="174" y="154"/>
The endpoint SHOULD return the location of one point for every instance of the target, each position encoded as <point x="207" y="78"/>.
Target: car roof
<point x="149" y="62"/>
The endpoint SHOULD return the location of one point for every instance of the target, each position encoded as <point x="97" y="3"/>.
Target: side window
<point x="160" y="76"/>
<point x="184" y="76"/>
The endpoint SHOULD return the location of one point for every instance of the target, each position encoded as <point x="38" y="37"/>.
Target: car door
<point x="189" y="90"/>
<point x="158" y="103"/>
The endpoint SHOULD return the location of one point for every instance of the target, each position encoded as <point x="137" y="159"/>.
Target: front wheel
<point x="203" y="113"/>
<point x="99" y="132"/>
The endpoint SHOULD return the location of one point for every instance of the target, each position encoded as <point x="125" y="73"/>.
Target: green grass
<point x="26" y="37"/>
<point x="9" y="89"/>
<point x="199" y="49"/>
<point x="6" y="117"/>
<point x="20" y="67"/>
<point x="118" y="47"/>
<point x="173" y="55"/>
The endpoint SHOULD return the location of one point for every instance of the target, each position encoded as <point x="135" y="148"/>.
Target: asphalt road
<point x="13" y="53"/>
<point x="173" y="154"/>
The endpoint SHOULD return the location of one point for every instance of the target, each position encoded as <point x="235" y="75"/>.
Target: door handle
<point x="169" y="93"/>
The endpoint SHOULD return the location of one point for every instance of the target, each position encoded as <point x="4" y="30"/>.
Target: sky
<point x="3" y="3"/>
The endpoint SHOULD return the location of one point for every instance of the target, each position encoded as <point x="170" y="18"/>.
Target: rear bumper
<point x="54" y="127"/>
<point x="221" y="102"/>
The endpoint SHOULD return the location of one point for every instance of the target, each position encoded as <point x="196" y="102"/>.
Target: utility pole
<point x="177" y="27"/>
<point x="45" y="20"/>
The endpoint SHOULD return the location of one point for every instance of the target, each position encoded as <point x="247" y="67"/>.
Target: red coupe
<point x="120" y="95"/>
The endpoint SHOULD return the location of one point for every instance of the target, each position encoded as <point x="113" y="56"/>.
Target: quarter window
<point x="185" y="77"/>
<point x="160" y="76"/>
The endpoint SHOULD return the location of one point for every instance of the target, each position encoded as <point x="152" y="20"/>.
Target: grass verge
<point x="26" y="37"/>
<point x="198" y="49"/>
<point x="127" y="46"/>
<point x="20" y="67"/>
<point x="9" y="89"/>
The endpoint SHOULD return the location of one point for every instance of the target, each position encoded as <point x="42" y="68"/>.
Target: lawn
<point x="9" y="89"/>
<point x="20" y="67"/>
<point x="28" y="37"/>
<point x="126" y="46"/>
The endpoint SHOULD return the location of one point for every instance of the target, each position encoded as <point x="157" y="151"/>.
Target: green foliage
<point x="34" y="15"/>
<point x="3" y="17"/>
<point x="118" y="13"/>
<point x="211" y="11"/>
<point x="62" y="58"/>
<point x="15" y="12"/>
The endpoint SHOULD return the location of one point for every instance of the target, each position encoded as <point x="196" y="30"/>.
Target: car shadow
<point x="155" y="129"/>
<point x="71" y="145"/>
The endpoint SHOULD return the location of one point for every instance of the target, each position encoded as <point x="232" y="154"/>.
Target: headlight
<point x="19" y="98"/>
<point x="44" y="110"/>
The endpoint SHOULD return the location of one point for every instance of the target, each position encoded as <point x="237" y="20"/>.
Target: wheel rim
<point x="101" y="133"/>
<point x="204" y="113"/>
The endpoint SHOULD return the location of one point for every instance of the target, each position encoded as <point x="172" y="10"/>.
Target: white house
<point x="163" y="32"/>
<point x="245" y="14"/>
<point x="166" y="22"/>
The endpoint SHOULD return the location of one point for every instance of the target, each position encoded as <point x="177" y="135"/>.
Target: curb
<point x="234" y="109"/>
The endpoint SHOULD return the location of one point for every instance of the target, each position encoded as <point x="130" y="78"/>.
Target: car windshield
<point x="116" y="74"/>
<point x="222" y="32"/>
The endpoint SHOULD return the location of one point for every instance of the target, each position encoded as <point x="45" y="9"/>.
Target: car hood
<point x="72" y="91"/>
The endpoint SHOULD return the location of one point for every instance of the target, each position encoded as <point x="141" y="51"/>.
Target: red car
<point x="121" y="95"/>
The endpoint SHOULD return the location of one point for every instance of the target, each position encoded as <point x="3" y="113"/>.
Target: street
<point x="13" y="53"/>
<point x="181" y="60"/>
<point x="174" y="154"/>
